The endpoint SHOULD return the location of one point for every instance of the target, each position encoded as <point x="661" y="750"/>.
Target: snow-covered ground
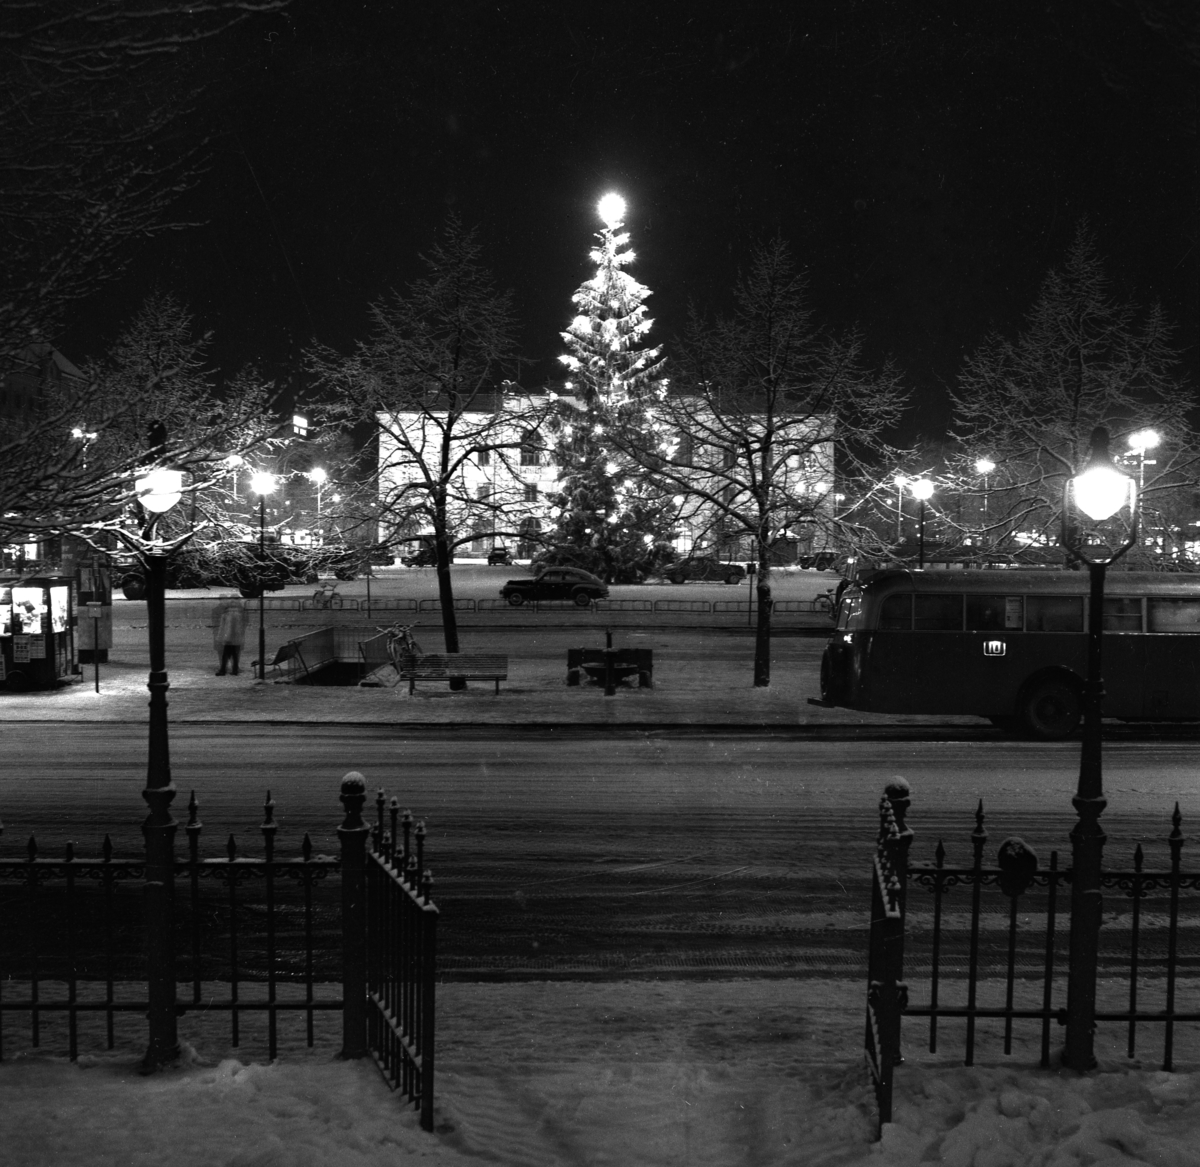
<point x="753" y="1073"/>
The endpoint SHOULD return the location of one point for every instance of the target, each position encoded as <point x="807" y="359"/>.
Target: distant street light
<point x="233" y="464"/>
<point x="900" y="480"/>
<point x="922" y="489"/>
<point x="318" y="477"/>
<point x="984" y="467"/>
<point x="262" y="484"/>
<point x="1107" y="497"/>
<point x="1139" y="443"/>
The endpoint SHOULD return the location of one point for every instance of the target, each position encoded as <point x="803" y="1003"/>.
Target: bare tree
<point x="1028" y="406"/>
<point x="431" y="379"/>
<point x="772" y="423"/>
<point x="97" y="98"/>
<point x="151" y="401"/>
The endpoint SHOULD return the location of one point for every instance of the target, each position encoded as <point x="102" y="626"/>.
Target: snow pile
<point x="714" y="1074"/>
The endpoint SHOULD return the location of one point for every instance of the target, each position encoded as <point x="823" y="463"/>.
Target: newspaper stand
<point x="37" y="632"/>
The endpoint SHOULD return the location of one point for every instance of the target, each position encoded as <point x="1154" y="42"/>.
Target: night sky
<point x="927" y="161"/>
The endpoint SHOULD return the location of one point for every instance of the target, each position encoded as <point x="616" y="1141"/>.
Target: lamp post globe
<point x="1106" y="497"/>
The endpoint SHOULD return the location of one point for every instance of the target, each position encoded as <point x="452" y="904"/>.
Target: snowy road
<point x="588" y="855"/>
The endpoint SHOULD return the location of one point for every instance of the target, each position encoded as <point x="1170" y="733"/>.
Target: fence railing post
<point x="887" y="994"/>
<point x="352" y="835"/>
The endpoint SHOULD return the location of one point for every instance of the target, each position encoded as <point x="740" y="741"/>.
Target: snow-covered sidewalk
<point x="752" y="1073"/>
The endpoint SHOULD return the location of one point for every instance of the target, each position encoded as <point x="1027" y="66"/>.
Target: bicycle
<point x="401" y="645"/>
<point x="327" y="596"/>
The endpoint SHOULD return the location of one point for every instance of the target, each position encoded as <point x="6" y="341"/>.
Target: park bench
<point x="444" y="666"/>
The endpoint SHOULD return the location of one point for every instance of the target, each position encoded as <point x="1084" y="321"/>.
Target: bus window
<point x="938" y="613"/>
<point x="1122" y="614"/>
<point x="1054" y="614"/>
<point x="993" y="613"/>
<point x="1173" y="615"/>
<point x="895" y="613"/>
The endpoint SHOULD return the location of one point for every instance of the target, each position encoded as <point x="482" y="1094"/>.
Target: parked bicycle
<point x="401" y="645"/>
<point x="327" y="596"/>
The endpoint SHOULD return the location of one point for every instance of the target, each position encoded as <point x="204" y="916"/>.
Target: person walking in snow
<point x="229" y="633"/>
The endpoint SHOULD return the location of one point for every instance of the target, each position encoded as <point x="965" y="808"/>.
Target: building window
<point x="483" y="492"/>
<point x="484" y="458"/>
<point x="531" y="493"/>
<point x="531" y="449"/>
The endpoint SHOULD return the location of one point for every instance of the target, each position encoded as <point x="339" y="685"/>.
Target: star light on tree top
<point x="612" y="210"/>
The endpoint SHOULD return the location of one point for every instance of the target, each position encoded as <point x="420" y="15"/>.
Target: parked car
<point x="499" y="557"/>
<point x="704" y="567"/>
<point x="423" y="557"/>
<point x="821" y="561"/>
<point x="556" y="583"/>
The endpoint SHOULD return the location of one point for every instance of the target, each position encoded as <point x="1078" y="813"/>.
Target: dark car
<point x="423" y="557"/>
<point x="499" y="557"/>
<point x="556" y="583"/>
<point x="703" y="567"/>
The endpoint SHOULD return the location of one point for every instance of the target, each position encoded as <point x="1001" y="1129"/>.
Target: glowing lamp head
<point x="921" y="488"/>
<point x="318" y="476"/>
<point x="1144" y="440"/>
<point x="159" y="490"/>
<point x="984" y="466"/>
<point x="262" y="483"/>
<point x="612" y="210"/>
<point x="1101" y="489"/>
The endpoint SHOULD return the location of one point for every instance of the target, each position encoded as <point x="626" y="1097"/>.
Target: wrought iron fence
<point x="270" y="935"/>
<point x="1010" y="937"/>
<point x="401" y="956"/>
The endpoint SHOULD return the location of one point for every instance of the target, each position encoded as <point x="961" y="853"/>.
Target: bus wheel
<point x="1051" y="709"/>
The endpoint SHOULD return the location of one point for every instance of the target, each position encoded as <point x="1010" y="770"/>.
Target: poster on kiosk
<point x="37" y="633"/>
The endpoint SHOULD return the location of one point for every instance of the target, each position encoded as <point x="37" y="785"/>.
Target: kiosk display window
<point x="60" y="601"/>
<point x="6" y="615"/>
<point x="29" y="610"/>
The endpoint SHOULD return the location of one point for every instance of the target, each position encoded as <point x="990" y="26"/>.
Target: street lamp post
<point x="262" y="484"/>
<point x="158" y="491"/>
<point x="1139" y="443"/>
<point x="318" y="477"/>
<point x="984" y="467"/>
<point x="1107" y="497"/>
<point x="900" y="481"/>
<point x="922" y="490"/>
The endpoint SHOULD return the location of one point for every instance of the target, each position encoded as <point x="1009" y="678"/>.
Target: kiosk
<point x="37" y="632"/>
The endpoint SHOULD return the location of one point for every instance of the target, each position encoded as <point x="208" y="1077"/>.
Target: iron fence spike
<point x="106" y="849"/>
<point x="306" y="847"/>
<point x="31" y="847"/>
<point x="231" y="848"/>
<point x="70" y="851"/>
<point x="1138" y="857"/>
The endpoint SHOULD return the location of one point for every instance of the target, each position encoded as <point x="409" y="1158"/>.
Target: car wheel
<point x="733" y="578"/>
<point x="677" y="578"/>
<point x="516" y="599"/>
<point x="582" y="599"/>
<point x="1051" y="709"/>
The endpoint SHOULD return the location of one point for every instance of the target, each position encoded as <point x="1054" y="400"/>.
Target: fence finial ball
<point x="897" y="787"/>
<point x="354" y="783"/>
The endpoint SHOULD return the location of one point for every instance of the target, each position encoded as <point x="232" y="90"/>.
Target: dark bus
<point x="1011" y="646"/>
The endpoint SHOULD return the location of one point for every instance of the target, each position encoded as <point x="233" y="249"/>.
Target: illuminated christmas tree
<point x="611" y="517"/>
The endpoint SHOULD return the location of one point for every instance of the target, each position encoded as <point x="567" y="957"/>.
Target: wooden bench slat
<point x="468" y="666"/>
